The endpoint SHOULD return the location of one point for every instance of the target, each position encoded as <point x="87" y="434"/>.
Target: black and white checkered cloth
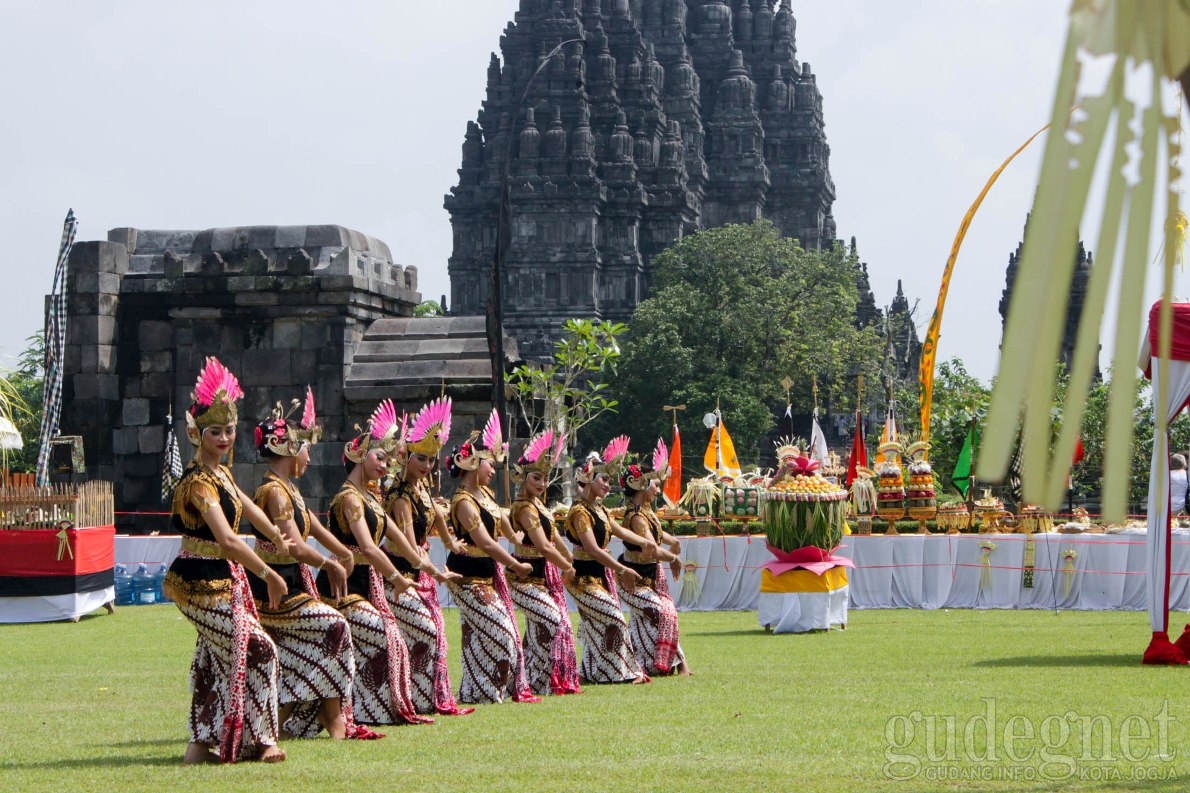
<point x="55" y="349"/>
<point x="171" y="469"/>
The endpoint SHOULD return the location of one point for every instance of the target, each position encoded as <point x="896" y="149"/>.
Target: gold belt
<point x="205" y="548"/>
<point x="471" y="550"/>
<point x="584" y="556"/>
<point x="274" y="557"/>
<point x="637" y="558"/>
<point x="529" y="552"/>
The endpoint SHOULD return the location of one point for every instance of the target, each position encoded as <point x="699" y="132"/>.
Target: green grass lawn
<point x="101" y="706"/>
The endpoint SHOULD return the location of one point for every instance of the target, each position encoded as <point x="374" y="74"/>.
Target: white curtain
<point x="1158" y="509"/>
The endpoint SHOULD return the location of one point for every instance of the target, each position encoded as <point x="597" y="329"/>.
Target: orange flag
<point x="673" y="485"/>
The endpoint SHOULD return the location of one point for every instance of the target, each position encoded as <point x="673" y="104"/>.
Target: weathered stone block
<point x="287" y="334"/>
<point x="324" y="236"/>
<point x="267" y="367"/>
<point x="256" y="298"/>
<point x="135" y="412"/>
<point x="289" y="237"/>
<point x="154" y="335"/>
<point x="150" y="440"/>
<point x="95" y="386"/>
<point x="124" y="440"/>
<point x="156" y="362"/>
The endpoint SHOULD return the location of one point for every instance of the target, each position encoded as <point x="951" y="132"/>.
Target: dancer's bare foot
<point x="198" y="753"/>
<point x="684" y="670"/>
<point x="271" y="754"/>
<point x="641" y="680"/>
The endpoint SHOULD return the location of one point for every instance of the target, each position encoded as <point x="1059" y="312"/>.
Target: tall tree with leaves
<point x="735" y="310"/>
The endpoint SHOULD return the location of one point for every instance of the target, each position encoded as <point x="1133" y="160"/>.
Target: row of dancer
<point x="313" y="642"/>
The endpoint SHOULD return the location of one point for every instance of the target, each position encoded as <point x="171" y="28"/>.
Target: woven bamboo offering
<point x="953" y="518"/>
<point x="1035" y="520"/>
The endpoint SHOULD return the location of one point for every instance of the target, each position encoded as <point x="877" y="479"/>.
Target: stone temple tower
<point x="1074" y="309"/>
<point x="671" y="116"/>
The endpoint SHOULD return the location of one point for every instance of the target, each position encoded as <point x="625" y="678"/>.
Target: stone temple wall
<point x="281" y="306"/>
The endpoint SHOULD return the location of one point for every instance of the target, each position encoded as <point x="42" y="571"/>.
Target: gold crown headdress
<point x="610" y="462"/>
<point x="213" y="399"/>
<point x="486" y="445"/>
<point x="636" y="476"/>
<point x="381" y="433"/>
<point x="430" y="429"/>
<point x="542" y="454"/>
<point x="283" y="437"/>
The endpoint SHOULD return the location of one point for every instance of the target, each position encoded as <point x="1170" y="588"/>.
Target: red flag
<point x="1079" y="452"/>
<point x="859" y="451"/>
<point x="673" y="485"/>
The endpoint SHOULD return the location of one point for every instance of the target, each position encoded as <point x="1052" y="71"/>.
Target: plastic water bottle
<point x="123" y="586"/>
<point x="143" y="593"/>
<point x="159" y="584"/>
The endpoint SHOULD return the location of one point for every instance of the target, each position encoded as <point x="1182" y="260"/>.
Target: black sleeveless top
<point x="597" y="517"/>
<point x="647" y="570"/>
<point x="546" y="518"/>
<point x="189" y="522"/>
<point x="338" y="524"/>
<point x="464" y="565"/>
<point x="290" y="571"/>
<point x="422" y="509"/>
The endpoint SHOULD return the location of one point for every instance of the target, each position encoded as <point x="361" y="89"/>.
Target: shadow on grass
<point x="107" y="761"/>
<point x="1074" y="661"/>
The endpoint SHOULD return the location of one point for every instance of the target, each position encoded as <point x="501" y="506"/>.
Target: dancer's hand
<point x="522" y="569"/>
<point x="337" y="577"/>
<point x="277" y="589"/>
<point x="443" y="576"/>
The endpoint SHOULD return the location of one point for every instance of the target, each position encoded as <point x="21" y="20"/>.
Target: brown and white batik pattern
<point x="653" y="617"/>
<point x="607" y="647"/>
<point x="489" y="642"/>
<point x="317" y="661"/>
<point x="543" y="619"/>
<point x="211" y="674"/>
<point x="421" y="637"/>
<point x="371" y="700"/>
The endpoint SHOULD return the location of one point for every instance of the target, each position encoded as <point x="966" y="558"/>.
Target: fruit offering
<point x="802" y="509"/>
<point x="890" y="483"/>
<point x="921" y="501"/>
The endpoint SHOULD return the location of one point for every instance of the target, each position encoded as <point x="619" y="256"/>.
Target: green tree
<point x="959" y="398"/>
<point x="20" y="401"/>
<point x="428" y="308"/>
<point x="571" y="392"/>
<point x="734" y="310"/>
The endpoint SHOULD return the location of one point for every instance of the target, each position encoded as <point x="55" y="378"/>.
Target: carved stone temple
<point x="671" y="116"/>
<point x="282" y="307"/>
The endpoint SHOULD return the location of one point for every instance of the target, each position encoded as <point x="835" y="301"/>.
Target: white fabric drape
<point x="1158" y="511"/>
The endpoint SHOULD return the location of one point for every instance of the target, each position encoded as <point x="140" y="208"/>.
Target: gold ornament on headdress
<point x="430" y="429"/>
<point x="284" y="437"/>
<point x="213" y="399"/>
<point x="381" y="433"/>
<point x="542" y="454"/>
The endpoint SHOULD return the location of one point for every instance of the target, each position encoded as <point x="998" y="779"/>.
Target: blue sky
<point x="166" y="115"/>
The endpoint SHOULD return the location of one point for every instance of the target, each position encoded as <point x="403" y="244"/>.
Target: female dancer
<point x="492" y="662"/>
<point x="413" y="512"/>
<point x="381" y="691"/>
<point x="313" y="639"/>
<point x="233" y="678"/>
<point x="608" y="656"/>
<point x="654" y="625"/>
<point x="550" y="664"/>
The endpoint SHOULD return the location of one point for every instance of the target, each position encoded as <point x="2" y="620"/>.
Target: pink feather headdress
<point x="637" y="476"/>
<point x="488" y="444"/>
<point x="610" y="462"/>
<point x="214" y="399"/>
<point x="430" y="429"/>
<point x="281" y="436"/>
<point x="542" y="454"/>
<point x="381" y="433"/>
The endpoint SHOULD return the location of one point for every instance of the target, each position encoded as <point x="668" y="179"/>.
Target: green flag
<point x="961" y="478"/>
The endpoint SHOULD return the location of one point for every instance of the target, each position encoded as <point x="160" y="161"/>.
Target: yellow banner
<point x="929" y="347"/>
